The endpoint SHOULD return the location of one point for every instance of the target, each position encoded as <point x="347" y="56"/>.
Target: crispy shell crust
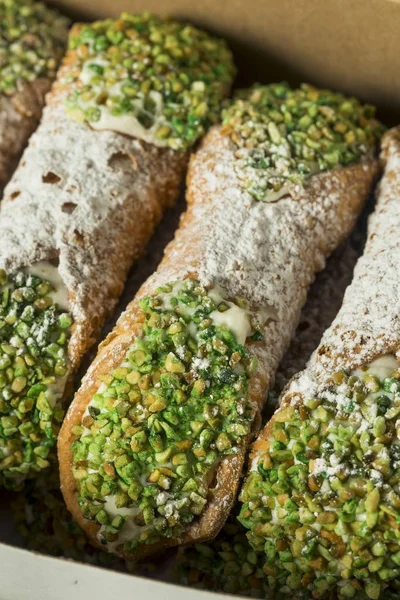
<point x="19" y="117"/>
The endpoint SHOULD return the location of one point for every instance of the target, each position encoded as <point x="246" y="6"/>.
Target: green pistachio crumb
<point x="46" y="526"/>
<point x="284" y="136"/>
<point x="166" y="416"/>
<point x="322" y="501"/>
<point x="33" y="366"/>
<point x="169" y="77"/>
<point x="32" y="41"/>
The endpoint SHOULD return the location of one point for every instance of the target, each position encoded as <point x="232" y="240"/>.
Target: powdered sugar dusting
<point x="91" y="200"/>
<point x="323" y="304"/>
<point x="269" y="252"/>
<point x="266" y="253"/>
<point x="368" y="323"/>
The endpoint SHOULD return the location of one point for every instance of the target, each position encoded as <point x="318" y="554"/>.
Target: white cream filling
<point x="86" y="73"/>
<point x="45" y="270"/>
<point x="55" y="391"/>
<point x="275" y="196"/>
<point x="127" y="124"/>
<point x="381" y="367"/>
<point x="237" y="319"/>
<point x="129" y="530"/>
<point x="112" y="509"/>
<point x="255" y="461"/>
<point x="166" y="297"/>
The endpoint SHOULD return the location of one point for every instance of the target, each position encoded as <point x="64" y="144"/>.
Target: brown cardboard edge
<point x="347" y="45"/>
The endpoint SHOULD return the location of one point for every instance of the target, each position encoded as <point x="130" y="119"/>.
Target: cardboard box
<point x="347" y="45"/>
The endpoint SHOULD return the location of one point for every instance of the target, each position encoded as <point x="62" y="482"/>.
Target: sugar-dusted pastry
<point x="106" y="161"/>
<point x="228" y="563"/>
<point x="322" y="500"/>
<point x="32" y="42"/>
<point x="153" y="445"/>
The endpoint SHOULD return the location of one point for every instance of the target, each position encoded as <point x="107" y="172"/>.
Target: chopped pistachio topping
<point x="149" y="77"/>
<point x="34" y="367"/>
<point x="322" y="501"/>
<point x="43" y="521"/>
<point x="284" y="136"/>
<point x="227" y="564"/>
<point x="46" y="526"/>
<point x="32" y="41"/>
<point x="154" y="433"/>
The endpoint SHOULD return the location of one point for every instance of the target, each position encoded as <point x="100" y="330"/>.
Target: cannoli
<point x="83" y="203"/>
<point x="322" y="499"/>
<point x="228" y="563"/>
<point x="152" y="447"/>
<point x="32" y="41"/>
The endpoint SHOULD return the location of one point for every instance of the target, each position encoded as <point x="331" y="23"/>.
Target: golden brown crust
<point x="183" y="258"/>
<point x="19" y="116"/>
